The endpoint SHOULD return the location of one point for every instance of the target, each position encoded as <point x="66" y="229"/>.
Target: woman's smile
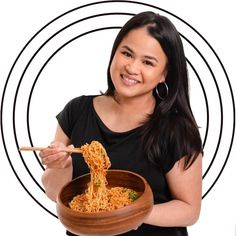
<point x="129" y="80"/>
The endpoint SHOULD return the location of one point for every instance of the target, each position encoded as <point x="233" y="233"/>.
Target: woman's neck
<point x="136" y="105"/>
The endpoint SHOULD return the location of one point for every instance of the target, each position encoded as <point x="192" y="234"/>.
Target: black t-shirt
<point x="81" y="124"/>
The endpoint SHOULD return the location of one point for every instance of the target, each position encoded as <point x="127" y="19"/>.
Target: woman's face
<point x="139" y="64"/>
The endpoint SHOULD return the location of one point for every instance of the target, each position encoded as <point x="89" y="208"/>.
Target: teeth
<point x="130" y="81"/>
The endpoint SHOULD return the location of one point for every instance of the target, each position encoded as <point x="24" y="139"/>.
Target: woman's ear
<point x="163" y="79"/>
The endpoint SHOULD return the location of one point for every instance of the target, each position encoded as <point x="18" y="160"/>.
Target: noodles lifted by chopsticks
<point x="98" y="197"/>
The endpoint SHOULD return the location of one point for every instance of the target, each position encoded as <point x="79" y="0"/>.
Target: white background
<point x="20" y="20"/>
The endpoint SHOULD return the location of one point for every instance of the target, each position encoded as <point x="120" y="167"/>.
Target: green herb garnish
<point x="133" y="196"/>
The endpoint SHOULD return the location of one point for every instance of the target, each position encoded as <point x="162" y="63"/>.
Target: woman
<point x="145" y="123"/>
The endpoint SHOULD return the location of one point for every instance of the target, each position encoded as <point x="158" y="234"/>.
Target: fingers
<point x="71" y="146"/>
<point x="48" y="157"/>
<point x="56" y="144"/>
<point x="54" y="157"/>
<point x="58" y="163"/>
<point x="49" y="151"/>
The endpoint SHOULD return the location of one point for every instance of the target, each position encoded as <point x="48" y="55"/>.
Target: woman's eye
<point x="127" y="54"/>
<point x="149" y="63"/>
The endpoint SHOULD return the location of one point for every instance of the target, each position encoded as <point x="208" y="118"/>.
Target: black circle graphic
<point x="210" y="69"/>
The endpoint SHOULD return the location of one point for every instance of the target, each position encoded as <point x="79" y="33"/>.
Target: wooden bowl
<point x="111" y="222"/>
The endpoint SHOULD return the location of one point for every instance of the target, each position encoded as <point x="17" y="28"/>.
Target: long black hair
<point x="171" y="130"/>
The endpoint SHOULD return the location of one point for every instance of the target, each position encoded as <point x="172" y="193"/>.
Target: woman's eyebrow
<point x="151" y="58"/>
<point x="128" y="48"/>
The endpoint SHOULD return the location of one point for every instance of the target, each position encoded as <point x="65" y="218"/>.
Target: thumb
<point x="71" y="146"/>
<point x="55" y="144"/>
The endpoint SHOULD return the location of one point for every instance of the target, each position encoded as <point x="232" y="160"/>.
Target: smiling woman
<point x="152" y="135"/>
<point x="139" y="64"/>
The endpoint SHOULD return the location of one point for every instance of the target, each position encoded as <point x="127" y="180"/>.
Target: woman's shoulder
<point x="82" y="98"/>
<point x="81" y="101"/>
<point x="78" y="104"/>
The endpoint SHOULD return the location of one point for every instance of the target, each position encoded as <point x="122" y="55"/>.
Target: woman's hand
<point x="59" y="164"/>
<point x="54" y="157"/>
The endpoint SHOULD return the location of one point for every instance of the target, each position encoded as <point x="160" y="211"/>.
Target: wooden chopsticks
<point x="26" y="148"/>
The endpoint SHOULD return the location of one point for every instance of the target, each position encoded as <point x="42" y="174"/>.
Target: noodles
<point x="97" y="196"/>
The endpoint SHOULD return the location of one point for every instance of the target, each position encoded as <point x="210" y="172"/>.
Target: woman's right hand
<point x="54" y="157"/>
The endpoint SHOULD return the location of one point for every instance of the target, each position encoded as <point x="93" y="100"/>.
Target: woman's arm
<point x="186" y="189"/>
<point x="58" y="165"/>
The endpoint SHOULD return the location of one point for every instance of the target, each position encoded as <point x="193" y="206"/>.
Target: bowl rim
<point x="105" y="213"/>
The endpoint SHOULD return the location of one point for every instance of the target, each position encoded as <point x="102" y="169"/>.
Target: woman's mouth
<point x="127" y="80"/>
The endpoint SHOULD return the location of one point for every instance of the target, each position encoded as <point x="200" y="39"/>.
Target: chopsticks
<point x="26" y="148"/>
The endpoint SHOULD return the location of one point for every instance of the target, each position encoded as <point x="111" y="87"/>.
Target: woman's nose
<point x="132" y="67"/>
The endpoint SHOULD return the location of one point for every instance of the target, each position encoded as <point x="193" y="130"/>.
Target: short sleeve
<point x="170" y="161"/>
<point x="69" y="115"/>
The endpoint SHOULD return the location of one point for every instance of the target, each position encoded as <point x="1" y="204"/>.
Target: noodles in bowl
<point x="85" y="205"/>
<point x="97" y="196"/>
